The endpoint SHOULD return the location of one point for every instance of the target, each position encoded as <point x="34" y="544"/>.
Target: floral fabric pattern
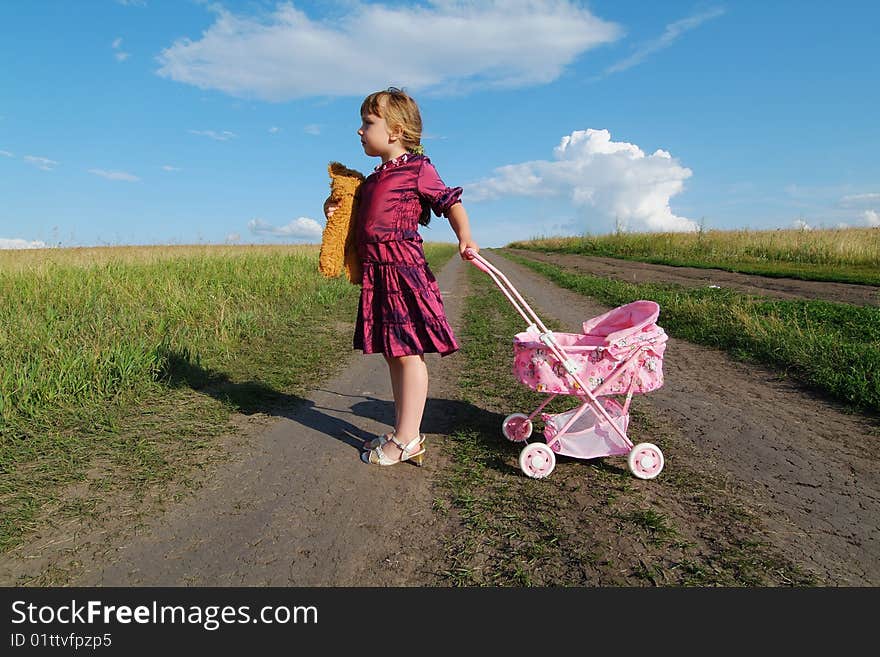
<point x="598" y="356"/>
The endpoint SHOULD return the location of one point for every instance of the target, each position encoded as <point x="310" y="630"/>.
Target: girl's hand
<point x="330" y="206"/>
<point x="464" y="245"/>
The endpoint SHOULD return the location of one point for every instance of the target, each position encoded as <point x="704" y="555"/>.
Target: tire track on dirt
<point x="801" y="462"/>
<point x="632" y="271"/>
<point x="297" y="507"/>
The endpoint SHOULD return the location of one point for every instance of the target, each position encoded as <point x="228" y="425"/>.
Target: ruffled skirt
<point x="400" y="312"/>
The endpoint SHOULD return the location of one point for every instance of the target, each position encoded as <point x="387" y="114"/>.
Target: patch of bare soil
<point x="802" y="463"/>
<point x="642" y="272"/>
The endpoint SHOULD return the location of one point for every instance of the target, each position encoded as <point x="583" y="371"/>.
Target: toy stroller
<point x="618" y="353"/>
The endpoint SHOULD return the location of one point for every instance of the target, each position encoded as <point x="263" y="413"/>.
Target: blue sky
<point x="181" y="121"/>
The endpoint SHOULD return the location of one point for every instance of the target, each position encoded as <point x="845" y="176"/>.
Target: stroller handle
<point x="525" y="310"/>
<point x="515" y="298"/>
<point x="472" y="256"/>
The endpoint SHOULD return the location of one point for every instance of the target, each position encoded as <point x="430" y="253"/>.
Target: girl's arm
<point x="458" y="219"/>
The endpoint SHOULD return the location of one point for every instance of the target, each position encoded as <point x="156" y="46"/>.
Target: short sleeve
<point x="433" y="190"/>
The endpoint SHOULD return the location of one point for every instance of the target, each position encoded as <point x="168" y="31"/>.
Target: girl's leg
<point x="394" y="371"/>
<point x="411" y="374"/>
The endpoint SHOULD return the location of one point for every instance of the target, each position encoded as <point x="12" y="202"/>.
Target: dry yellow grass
<point x="844" y="246"/>
<point x="17" y="260"/>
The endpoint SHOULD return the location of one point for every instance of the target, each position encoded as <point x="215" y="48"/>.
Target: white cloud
<point x="274" y="129"/>
<point x="616" y="178"/>
<point x="16" y="243"/>
<point x="233" y="238"/>
<point x="456" y="46"/>
<point x="867" y="204"/>
<point x="219" y="136"/>
<point x="42" y="163"/>
<point x="120" y="56"/>
<point x="114" y="175"/>
<point x="168" y="167"/>
<point x="132" y="3"/>
<point x="855" y="200"/>
<point x="312" y="129"/>
<point x="302" y="229"/>
<point x="800" y="224"/>
<point x="6" y="154"/>
<point x="669" y="36"/>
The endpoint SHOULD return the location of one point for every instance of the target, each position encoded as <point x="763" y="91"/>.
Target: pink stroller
<point x="618" y="353"/>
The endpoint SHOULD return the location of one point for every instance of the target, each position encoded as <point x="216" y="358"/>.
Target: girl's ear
<point x="395" y="132"/>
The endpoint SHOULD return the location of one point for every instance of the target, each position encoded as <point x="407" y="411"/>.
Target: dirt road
<point x="803" y="461"/>
<point x="295" y="506"/>
<point x="642" y="272"/>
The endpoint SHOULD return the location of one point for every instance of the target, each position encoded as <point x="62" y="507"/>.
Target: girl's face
<point x="376" y="138"/>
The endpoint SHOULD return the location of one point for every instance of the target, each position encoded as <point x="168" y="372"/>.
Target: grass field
<point x="120" y="367"/>
<point x="850" y="255"/>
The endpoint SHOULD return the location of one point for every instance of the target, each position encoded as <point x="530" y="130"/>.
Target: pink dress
<point x="400" y="311"/>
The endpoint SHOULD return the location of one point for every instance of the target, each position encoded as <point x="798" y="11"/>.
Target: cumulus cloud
<point x="114" y="175"/>
<point x="669" y="36"/>
<point x="16" y="243"/>
<point x="866" y="205"/>
<point x="800" y="224"/>
<point x="218" y="136"/>
<point x="233" y="238"/>
<point x="274" y="129"/>
<point x="617" y="179"/>
<point x="287" y="54"/>
<point x="301" y="229"/>
<point x="42" y="163"/>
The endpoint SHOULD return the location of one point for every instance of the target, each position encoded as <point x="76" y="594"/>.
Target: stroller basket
<point x="618" y="353"/>
<point x="588" y="436"/>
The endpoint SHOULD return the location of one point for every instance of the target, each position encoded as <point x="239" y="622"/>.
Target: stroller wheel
<point x="645" y="461"/>
<point x="537" y="460"/>
<point x="517" y="427"/>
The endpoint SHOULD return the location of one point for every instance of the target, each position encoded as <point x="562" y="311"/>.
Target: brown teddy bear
<point x="338" y="248"/>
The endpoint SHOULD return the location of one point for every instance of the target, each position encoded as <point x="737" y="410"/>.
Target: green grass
<point x="850" y="255"/>
<point x="834" y="348"/>
<point x="590" y="523"/>
<point x="120" y="369"/>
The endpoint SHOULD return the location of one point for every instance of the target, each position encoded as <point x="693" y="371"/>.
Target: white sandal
<point x="384" y="439"/>
<point x="377" y="457"/>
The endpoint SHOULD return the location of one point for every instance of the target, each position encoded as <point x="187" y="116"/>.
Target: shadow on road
<point x="443" y="416"/>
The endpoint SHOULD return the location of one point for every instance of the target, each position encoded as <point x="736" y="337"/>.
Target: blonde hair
<point x="399" y="111"/>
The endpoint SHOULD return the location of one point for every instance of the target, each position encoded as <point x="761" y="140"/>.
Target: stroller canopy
<point x="623" y="321"/>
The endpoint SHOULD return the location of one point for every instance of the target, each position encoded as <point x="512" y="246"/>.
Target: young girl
<point x="401" y="313"/>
